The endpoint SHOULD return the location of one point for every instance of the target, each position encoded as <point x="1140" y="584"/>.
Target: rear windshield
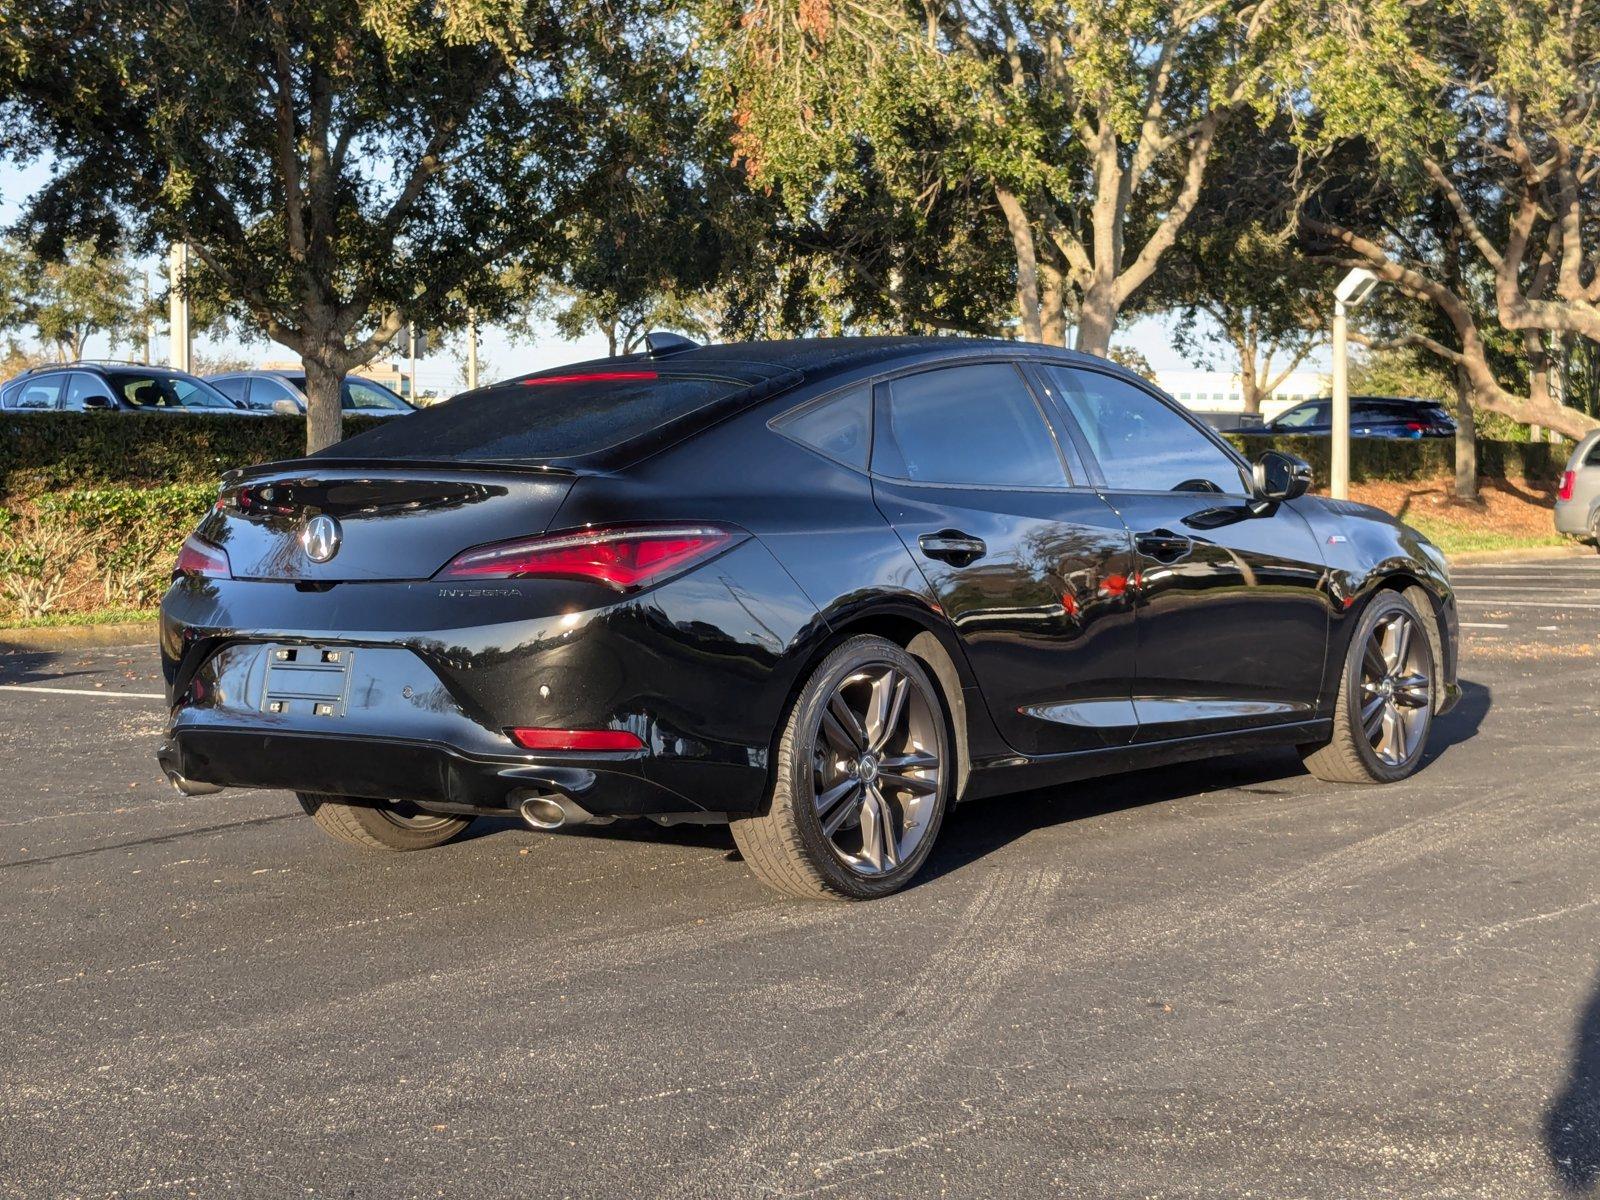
<point x="546" y="417"/>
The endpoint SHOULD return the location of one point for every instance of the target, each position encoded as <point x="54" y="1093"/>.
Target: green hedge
<point x="46" y="452"/>
<point x="1377" y="459"/>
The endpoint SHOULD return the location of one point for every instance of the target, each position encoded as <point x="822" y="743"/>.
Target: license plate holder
<point x="307" y="681"/>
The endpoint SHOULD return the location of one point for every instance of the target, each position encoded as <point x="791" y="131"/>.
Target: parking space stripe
<point x="1484" y="625"/>
<point x="1512" y="603"/>
<point x="58" y="691"/>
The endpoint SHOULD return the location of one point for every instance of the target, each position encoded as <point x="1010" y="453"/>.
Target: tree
<point x="1086" y="128"/>
<point x="1489" y="109"/>
<point x="339" y="168"/>
<point x="66" y="301"/>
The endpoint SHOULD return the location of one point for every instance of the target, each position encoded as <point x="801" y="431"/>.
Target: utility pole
<point x="181" y="352"/>
<point x="1352" y="290"/>
<point x="472" y="349"/>
<point x="149" y="323"/>
<point x="411" y="352"/>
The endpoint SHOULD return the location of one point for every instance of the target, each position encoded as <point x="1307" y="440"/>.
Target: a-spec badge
<point x="320" y="538"/>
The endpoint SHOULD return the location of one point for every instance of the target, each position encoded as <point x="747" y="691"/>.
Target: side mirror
<point x="286" y="407"/>
<point x="91" y="402"/>
<point x="1280" y="477"/>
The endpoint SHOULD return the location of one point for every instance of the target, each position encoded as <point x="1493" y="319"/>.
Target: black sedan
<point x="1370" y="416"/>
<point x="820" y="589"/>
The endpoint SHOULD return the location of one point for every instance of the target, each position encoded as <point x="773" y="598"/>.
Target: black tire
<point x="1360" y="751"/>
<point x="788" y="846"/>
<point x="380" y="827"/>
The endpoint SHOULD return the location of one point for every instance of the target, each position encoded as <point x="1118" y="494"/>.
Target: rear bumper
<point x="1572" y="517"/>
<point x="699" y="669"/>
<point x="433" y="775"/>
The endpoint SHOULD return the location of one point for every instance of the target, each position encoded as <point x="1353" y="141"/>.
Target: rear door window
<point x="555" y="416"/>
<point x="40" y="394"/>
<point x="84" y="387"/>
<point x="361" y="396"/>
<point x="1315" y="413"/>
<point x="236" y="388"/>
<point x="973" y="426"/>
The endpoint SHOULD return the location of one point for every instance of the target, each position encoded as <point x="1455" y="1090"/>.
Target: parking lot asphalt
<point x="1221" y="979"/>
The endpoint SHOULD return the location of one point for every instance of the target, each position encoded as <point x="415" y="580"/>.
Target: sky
<point x="499" y="355"/>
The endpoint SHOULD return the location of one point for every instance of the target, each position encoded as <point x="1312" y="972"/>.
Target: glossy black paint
<point x="1093" y="631"/>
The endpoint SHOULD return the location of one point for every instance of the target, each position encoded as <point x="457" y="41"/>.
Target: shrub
<point x="50" y="451"/>
<point x="1402" y="459"/>
<point x="38" y="552"/>
<point x="131" y="534"/>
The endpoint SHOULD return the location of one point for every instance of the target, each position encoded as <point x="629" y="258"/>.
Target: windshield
<point x="543" y="417"/>
<point x="149" y="390"/>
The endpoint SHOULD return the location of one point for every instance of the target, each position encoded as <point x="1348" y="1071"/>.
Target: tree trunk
<point x="1096" y="319"/>
<point x="1027" y="264"/>
<point x="324" y="414"/>
<point x="1466" y="441"/>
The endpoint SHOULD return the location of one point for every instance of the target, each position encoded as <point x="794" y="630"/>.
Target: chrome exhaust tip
<point x="551" y="810"/>
<point x="192" y="787"/>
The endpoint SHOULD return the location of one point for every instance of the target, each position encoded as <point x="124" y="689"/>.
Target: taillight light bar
<point x="620" y="557"/>
<point x="200" y="559"/>
<point x="594" y="740"/>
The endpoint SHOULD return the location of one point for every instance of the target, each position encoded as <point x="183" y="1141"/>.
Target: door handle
<point x="953" y="546"/>
<point x="1163" y="544"/>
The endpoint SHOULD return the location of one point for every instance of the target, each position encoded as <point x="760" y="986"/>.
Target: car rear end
<point x="1577" y="510"/>
<point x="422" y="615"/>
<point x="1415" y="419"/>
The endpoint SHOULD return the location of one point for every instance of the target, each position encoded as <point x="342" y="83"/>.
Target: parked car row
<point x="134" y="387"/>
<point x="1370" y="416"/>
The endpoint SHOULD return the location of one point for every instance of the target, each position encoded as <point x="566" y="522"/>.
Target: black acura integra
<point x="822" y="590"/>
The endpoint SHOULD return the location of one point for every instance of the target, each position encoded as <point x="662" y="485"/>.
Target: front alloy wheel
<point x="1385" y="705"/>
<point x="861" y="781"/>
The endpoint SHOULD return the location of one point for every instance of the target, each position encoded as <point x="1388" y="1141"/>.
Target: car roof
<point x="814" y="358"/>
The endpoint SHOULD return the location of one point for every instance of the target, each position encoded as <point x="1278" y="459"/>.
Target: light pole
<point x="1352" y="290"/>
<point x="180" y="353"/>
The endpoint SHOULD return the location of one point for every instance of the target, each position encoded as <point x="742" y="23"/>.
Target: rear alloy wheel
<point x="380" y="827"/>
<point x="862" y="779"/>
<point x="1385" y="705"/>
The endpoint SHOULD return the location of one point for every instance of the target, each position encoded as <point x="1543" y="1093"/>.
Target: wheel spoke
<point x="914" y="784"/>
<point x="878" y="840"/>
<point x="1372" y="659"/>
<point x="1412" y="691"/>
<point x="1394" y="734"/>
<point x="917" y="760"/>
<point x="843" y="812"/>
<point x="1371" y="713"/>
<point x="849" y="724"/>
<point x="888" y="703"/>
<point x="826" y="801"/>
<point x="1399" y="643"/>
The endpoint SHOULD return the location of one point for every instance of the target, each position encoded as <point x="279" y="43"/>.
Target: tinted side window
<point x="41" y="393"/>
<point x="237" y="388"/>
<point x="1594" y="456"/>
<point x="976" y="425"/>
<point x="83" y="387"/>
<point x="1306" y="414"/>
<point x="265" y="392"/>
<point x="359" y="395"/>
<point x="1141" y="444"/>
<point x="838" y="426"/>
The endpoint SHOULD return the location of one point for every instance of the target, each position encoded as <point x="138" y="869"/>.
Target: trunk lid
<point x="384" y="520"/>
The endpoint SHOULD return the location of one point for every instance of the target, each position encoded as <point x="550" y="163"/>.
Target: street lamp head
<point x="1355" y="287"/>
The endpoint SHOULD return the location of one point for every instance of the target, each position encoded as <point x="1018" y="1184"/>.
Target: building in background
<point x="1220" y="391"/>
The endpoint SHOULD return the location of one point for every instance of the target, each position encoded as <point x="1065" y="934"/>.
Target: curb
<point x="70" y="637"/>
<point x="1511" y="554"/>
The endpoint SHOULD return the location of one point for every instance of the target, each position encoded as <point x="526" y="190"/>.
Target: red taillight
<point x="591" y="377"/>
<point x="202" y="560"/>
<point x="621" y="558"/>
<point x="1416" y="427"/>
<point x="1568" y="480"/>
<point x="576" y="739"/>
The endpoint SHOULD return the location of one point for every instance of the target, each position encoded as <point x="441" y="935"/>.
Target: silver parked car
<point x="277" y="391"/>
<point x="1578" y="501"/>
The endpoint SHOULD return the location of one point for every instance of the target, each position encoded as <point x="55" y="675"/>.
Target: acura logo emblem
<point x="320" y="538"/>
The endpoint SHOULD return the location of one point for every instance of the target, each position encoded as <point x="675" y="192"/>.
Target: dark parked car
<point x="261" y="390"/>
<point x="114" y="387"/>
<point x="1370" y="416"/>
<point x="822" y="589"/>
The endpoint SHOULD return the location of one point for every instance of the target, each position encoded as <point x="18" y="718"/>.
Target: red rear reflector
<point x="202" y="560"/>
<point x="576" y="739"/>
<point x="591" y="377"/>
<point x="1568" y="480"/>
<point x="622" y="558"/>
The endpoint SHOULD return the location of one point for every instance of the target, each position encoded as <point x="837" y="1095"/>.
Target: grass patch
<point x="98" y="616"/>
<point x="1515" y="514"/>
<point x="1459" y="539"/>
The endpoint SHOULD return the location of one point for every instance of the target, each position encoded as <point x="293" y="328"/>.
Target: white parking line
<point x="57" y="691"/>
<point x="1483" y="625"/>
<point x="1508" y="603"/>
<point x="1495" y="587"/>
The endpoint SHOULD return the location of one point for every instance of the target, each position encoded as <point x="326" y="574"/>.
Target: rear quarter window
<point x="543" y="418"/>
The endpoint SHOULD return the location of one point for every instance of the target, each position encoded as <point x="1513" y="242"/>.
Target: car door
<point x="1232" y="609"/>
<point x="1029" y="565"/>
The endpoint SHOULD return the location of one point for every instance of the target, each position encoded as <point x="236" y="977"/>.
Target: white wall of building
<point x="1220" y="391"/>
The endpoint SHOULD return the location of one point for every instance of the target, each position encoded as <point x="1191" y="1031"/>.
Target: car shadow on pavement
<point x="33" y="666"/>
<point x="1572" y="1122"/>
